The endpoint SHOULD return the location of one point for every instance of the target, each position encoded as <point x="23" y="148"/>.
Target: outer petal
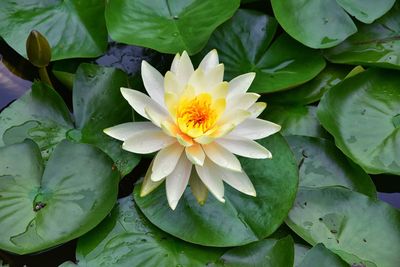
<point x="255" y="129"/>
<point x="156" y="114"/>
<point x="195" y="154"/>
<point x="241" y="84"/>
<point x="177" y="181"/>
<point x="148" y="185"/>
<point x="125" y="130"/>
<point x="175" y="63"/>
<point x="209" y="61"/>
<point x="222" y="157"/>
<point x="244" y="147"/>
<point x="211" y="181"/>
<point x="199" y="190"/>
<point x="256" y="109"/>
<point x="241" y="101"/>
<point x="184" y="69"/>
<point x="153" y="82"/>
<point x="147" y="142"/>
<point x="165" y="161"/>
<point x="139" y="101"/>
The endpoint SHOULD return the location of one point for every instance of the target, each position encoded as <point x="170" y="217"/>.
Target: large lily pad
<point x="243" y="44"/>
<point x="73" y="28"/>
<point x="241" y="219"/>
<point x="322" y="164"/>
<point x="127" y="238"/>
<point x="323" y="24"/>
<point x="363" y="115"/>
<point x="376" y="44"/>
<point x="167" y="26"/>
<point x="43" y="207"/>
<point x="42" y="115"/>
<point x="359" y="229"/>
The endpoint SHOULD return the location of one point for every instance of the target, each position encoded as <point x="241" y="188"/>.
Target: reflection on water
<point x="11" y="86"/>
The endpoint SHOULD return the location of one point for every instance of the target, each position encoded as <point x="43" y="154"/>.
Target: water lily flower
<point x="198" y="122"/>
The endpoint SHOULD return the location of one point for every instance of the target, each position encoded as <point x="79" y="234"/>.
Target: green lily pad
<point x="323" y="24"/>
<point x="359" y="229"/>
<point x="73" y="28"/>
<point x="42" y="115"/>
<point x="43" y="207"/>
<point x="300" y="251"/>
<point x="264" y="253"/>
<point x="242" y="219"/>
<point x="243" y="46"/>
<point x="323" y="256"/>
<point x="376" y="44"/>
<point x="167" y="26"/>
<point x="362" y="114"/>
<point x="126" y="237"/>
<point x="313" y="90"/>
<point x="295" y="120"/>
<point x="322" y="164"/>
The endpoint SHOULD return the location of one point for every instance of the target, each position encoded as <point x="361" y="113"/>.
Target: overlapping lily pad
<point x="243" y="44"/>
<point x="42" y="115"/>
<point x="73" y="28"/>
<point x="241" y="219"/>
<point x="325" y="258"/>
<point x="359" y="229"/>
<point x="376" y="44"/>
<point x="43" y="207"/>
<point x="322" y="24"/>
<point x="363" y="115"/>
<point x="167" y="26"/>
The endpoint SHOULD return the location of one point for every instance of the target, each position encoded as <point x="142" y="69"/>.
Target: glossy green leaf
<point x="362" y="113"/>
<point x="243" y="46"/>
<point x="359" y="229"/>
<point x="313" y="90"/>
<point x="295" y="120"/>
<point x="322" y="164"/>
<point x="127" y="238"/>
<point x="41" y="208"/>
<point x="376" y="44"/>
<point x="323" y="257"/>
<point x="167" y="26"/>
<point x="264" y="253"/>
<point x="73" y="28"/>
<point x="241" y="219"/>
<point x="324" y="23"/>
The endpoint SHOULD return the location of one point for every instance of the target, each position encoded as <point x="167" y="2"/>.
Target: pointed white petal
<point x="244" y="147"/>
<point x="241" y="84"/>
<point x="177" y="181"/>
<point x="255" y="129"/>
<point x="147" y="142"/>
<point x="148" y="185"/>
<point x="195" y="154"/>
<point x="156" y="114"/>
<point x="185" y="68"/>
<point x="256" y="109"/>
<point x="211" y="181"/>
<point x="238" y="180"/>
<point x="125" y="130"/>
<point x="241" y="101"/>
<point x="215" y="76"/>
<point x="198" y="81"/>
<point x="209" y="61"/>
<point x="175" y="63"/>
<point x="199" y="190"/>
<point x="222" y="157"/>
<point x="139" y="101"/>
<point x="172" y="84"/>
<point x="165" y="161"/>
<point x="153" y="82"/>
<point x="234" y="117"/>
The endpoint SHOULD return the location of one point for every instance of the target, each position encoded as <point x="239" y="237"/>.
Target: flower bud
<point x="38" y="49"/>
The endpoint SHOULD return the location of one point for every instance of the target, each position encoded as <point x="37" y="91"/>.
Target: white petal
<point x="172" y="84"/>
<point x="211" y="181"/>
<point x="148" y="185"/>
<point x="244" y="147"/>
<point x="222" y="157"/>
<point x="256" y="109"/>
<point x="139" y="101"/>
<point x="165" y="161"/>
<point x="238" y="180"/>
<point x="147" y="142"/>
<point x="241" y="101"/>
<point x="199" y="190"/>
<point x="153" y="82"/>
<point x="185" y="68"/>
<point x="156" y="114"/>
<point x="255" y="129"/>
<point x="215" y="76"/>
<point x="175" y="63"/>
<point x="209" y="61"/>
<point x="241" y="84"/>
<point x="234" y="117"/>
<point x="177" y="181"/>
<point x="125" y="130"/>
<point x="195" y="154"/>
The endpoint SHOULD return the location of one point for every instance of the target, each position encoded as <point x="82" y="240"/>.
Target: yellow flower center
<point x="197" y="115"/>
